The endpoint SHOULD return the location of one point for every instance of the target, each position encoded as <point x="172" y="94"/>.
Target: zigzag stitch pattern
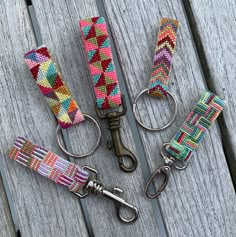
<point x="165" y="47"/>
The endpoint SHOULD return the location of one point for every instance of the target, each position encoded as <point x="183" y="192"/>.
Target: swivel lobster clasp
<point x="163" y="171"/>
<point x="113" y="122"/>
<point x="95" y="187"/>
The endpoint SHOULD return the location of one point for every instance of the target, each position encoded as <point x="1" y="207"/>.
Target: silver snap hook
<point x="96" y="187"/>
<point x="59" y="141"/>
<point x="150" y="128"/>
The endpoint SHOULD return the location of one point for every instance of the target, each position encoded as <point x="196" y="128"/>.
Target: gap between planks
<point x="65" y="137"/>
<point x="133" y="126"/>
<point x="227" y="144"/>
<point x="171" y="202"/>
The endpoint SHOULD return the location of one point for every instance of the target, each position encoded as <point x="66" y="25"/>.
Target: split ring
<point x="59" y="141"/>
<point x="150" y="128"/>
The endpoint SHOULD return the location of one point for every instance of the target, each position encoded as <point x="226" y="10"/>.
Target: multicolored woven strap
<point x="48" y="164"/>
<point x="195" y="126"/>
<point x="99" y="56"/>
<point x="165" y="47"/>
<point x="53" y="87"/>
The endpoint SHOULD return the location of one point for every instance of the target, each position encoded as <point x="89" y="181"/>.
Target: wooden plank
<point x="196" y="201"/>
<point x="216" y="36"/>
<point x="41" y="206"/>
<point x="60" y="32"/>
<point x="6" y="224"/>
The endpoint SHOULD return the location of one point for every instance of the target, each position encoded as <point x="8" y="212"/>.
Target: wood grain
<point x="215" y="21"/>
<point x="41" y="206"/>
<point x="199" y="201"/>
<point x="6" y="224"/>
<point x="60" y="32"/>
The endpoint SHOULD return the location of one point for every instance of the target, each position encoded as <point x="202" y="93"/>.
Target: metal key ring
<point x="59" y="141"/>
<point x="154" y="129"/>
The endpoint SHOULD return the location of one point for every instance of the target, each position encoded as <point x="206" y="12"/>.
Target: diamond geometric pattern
<point x="53" y="87"/>
<point x="48" y="164"/>
<point x="195" y="126"/>
<point x="165" y="47"/>
<point x="101" y="65"/>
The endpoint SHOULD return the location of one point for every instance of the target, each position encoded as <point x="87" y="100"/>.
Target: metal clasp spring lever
<point x="95" y="187"/>
<point x="163" y="170"/>
<point x="113" y="121"/>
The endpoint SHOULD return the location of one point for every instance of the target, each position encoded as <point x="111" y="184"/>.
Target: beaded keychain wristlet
<point x="106" y="87"/>
<point x="162" y="60"/>
<point x="76" y="179"/>
<point x="188" y="137"/>
<point x="57" y="94"/>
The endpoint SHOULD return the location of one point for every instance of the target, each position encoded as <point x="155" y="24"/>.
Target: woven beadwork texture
<point x="48" y="164"/>
<point x="165" y="47"/>
<point x="53" y="87"/>
<point x="195" y="126"/>
<point x="101" y="65"/>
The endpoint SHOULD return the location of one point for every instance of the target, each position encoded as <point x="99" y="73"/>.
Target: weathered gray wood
<point x="196" y="202"/>
<point x="6" y="224"/>
<point x="215" y="21"/>
<point x="41" y="206"/>
<point x="199" y="201"/>
<point x="60" y="32"/>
